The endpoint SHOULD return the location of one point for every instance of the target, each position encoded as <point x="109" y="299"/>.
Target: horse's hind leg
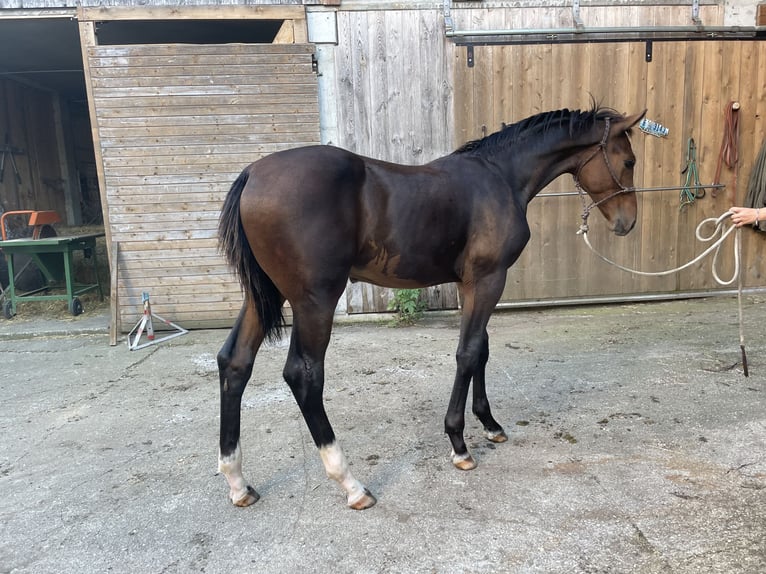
<point x="235" y="365"/>
<point x="304" y="373"/>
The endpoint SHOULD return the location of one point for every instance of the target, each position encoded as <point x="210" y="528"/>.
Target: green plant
<point x="409" y="306"/>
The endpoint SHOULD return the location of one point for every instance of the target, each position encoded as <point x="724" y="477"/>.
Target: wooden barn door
<point x="393" y="104"/>
<point x="686" y="87"/>
<point x="175" y="124"/>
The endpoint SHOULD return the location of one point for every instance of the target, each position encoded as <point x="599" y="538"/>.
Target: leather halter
<point x="586" y="209"/>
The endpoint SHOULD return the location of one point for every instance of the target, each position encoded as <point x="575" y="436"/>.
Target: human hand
<point x="745" y="216"/>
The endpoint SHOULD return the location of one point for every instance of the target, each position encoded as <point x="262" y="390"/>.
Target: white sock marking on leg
<point x="231" y="467"/>
<point x="337" y="469"/>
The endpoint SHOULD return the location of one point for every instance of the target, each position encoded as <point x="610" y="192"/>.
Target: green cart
<point x="53" y="256"/>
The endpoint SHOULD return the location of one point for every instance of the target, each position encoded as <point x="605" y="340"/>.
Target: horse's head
<point x="605" y="172"/>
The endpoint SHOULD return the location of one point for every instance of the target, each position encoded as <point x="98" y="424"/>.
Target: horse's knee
<point x="234" y="374"/>
<point x="468" y="360"/>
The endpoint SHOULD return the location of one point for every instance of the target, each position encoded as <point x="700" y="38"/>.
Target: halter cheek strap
<point x="586" y="209"/>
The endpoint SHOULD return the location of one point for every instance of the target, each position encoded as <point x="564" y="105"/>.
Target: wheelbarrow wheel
<point x="8" y="310"/>
<point x="75" y="306"/>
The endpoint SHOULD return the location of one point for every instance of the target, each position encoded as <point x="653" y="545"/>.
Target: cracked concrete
<point x="636" y="445"/>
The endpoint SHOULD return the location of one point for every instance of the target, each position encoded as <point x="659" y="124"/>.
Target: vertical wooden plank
<point x="636" y="94"/>
<point x="746" y="94"/>
<point x="463" y="101"/>
<point x="346" y="88"/>
<point x="87" y="42"/>
<point x="749" y="93"/>
<point x="114" y="303"/>
<point x="660" y="212"/>
<point x="753" y="242"/>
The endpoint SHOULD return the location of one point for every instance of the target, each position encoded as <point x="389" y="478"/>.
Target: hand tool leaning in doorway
<point x="8" y="150"/>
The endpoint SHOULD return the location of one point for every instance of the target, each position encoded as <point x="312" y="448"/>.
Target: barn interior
<point x="45" y="129"/>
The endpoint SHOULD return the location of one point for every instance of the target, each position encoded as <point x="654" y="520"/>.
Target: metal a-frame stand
<point x="145" y="325"/>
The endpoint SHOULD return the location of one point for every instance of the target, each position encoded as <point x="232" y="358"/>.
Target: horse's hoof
<point x="464" y="462"/>
<point x="365" y="501"/>
<point x="250" y="497"/>
<point x="496" y="436"/>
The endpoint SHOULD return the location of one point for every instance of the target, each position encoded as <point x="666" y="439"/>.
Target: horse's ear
<point x="628" y="122"/>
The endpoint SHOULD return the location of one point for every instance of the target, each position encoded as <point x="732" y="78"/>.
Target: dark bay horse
<point x="298" y="224"/>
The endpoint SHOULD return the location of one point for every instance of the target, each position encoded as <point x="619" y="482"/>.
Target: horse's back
<point x="306" y="170"/>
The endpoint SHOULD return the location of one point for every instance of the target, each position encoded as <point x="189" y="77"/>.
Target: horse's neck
<point x="531" y="173"/>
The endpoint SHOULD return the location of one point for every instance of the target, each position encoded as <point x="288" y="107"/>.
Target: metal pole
<point x="641" y="189"/>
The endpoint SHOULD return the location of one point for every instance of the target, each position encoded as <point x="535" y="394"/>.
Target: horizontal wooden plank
<point x="170" y="246"/>
<point x="213" y="261"/>
<point x="265" y="105"/>
<point x="134" y="252"/>
<point x="181" y="287"/>
<point x="157" y="60"/>
<point x="194" y="121"/>
<point x="175" y="217"/>
<point x="145" y="197"/>
<point x="184" y="289"/>
<point x="180" y="179"/>
<point x="240" y="12"/>
<point x="168" y="225"/>
<point x="156" y="200"/>
<point x="151" y="142"/>
<point x="285" y="101"/>
<point x="204" y="131"/>
<point x="212" y="317"/>
<point x="194" y="73"/>
<point x="223" y="163"/>
<point x="234" y="50"/>
<point x="268" y="85"/>
<point x="178" y="310"/>
<point x="257" y="150"/>
<point x="173" y="282"/>
<point x="178" y="272"/>
<point x="166" y="235"/>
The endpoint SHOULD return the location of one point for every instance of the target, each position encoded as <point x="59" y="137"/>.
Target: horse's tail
<point x="257" y="286"/>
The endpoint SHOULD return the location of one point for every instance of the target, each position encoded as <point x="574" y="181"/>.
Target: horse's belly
<point x="401" y="276"/>
<point x="377" y="278"/>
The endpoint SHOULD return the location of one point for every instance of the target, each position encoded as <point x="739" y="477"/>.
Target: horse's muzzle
<point x="622" y="227"/>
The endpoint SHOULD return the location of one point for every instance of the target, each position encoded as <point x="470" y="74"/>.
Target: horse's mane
<point x="577" y="121"/>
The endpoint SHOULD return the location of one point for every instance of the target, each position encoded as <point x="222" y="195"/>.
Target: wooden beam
<point x="106" y="13"/>
<point x="114" y="302"/>
<point x="286" y="34"/>
<point x="87" y="41"/>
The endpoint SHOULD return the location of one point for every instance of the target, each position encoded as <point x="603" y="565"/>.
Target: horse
<point x="296" y="225"/>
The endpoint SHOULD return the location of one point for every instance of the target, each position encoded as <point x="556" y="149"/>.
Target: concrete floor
<point x="636" y="446"/>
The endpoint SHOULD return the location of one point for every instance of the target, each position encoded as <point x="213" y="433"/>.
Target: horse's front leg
<point x="235" y="365"/>
<point x="492" y="429"/>
<point x="479" y="299"/>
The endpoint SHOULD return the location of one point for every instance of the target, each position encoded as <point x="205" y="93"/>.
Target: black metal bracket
<point x="469" y="55"/>
<point x="648" y="53"/>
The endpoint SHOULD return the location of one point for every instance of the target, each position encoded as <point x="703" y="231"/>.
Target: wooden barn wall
<point x="394" y="103"/>
<point x="686" y="87"/>
<point x="176" y="125"/>
<point x="27" y="119"/>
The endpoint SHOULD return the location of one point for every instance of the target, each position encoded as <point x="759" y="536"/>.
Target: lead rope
<point x="719" y="229"/>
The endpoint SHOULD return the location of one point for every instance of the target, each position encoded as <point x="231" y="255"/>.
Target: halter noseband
<point x="586" y="209"/>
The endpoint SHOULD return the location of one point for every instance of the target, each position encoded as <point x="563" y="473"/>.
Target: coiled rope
<point x="721" y="232"/>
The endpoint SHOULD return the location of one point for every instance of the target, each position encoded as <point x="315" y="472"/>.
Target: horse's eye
<point x="630" y="163"/>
